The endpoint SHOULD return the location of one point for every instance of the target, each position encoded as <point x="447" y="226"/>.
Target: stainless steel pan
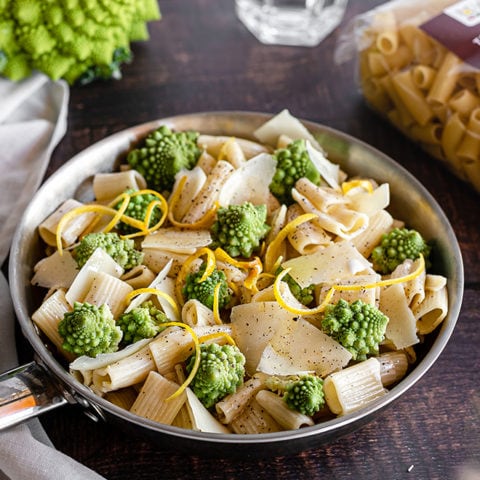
<point x="46" y="382"/>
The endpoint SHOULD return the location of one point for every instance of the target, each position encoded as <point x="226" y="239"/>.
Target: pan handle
<point x="25" y="392"/>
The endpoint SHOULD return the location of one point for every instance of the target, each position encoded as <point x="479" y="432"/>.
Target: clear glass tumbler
<point x="291" y="22"/>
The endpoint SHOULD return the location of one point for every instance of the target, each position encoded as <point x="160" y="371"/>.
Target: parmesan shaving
<point x="402" y="325"/>
<point x="180" y="241"/>
<point x="328" y="170"/>
<point x="202" y="420"/>
<point x="371" y="202"/>
<point x="274" y="363"/>
<point x="299" y="347"/>
<point x="253" y="325"/>
<point x="319" y="268"/>
<point x="250" y="182"/>
<point x="55" y="271"/>
<point x="284" y="124"/>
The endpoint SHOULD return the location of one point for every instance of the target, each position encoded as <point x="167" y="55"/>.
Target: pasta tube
<point x="107" y="186"/>
<point x="393" y="367"/>
<point x="433" y="307"/>
<point x="152" y="401"/>
<point x="48" y="228"/>
<point x="48" y="316"/>
<point x="206" y="197"/>
<point x="254" y="419"/>
<point x="139" y="277"/>
<point x="231" y="406"/>
<point x="214" y="143"/>
<point x="353" y="387"/>
<point x="123" y="398"/>
<point x="124" y="373"/>
<point x="446" y="79"/>
<point x="289" y="419"/>
<point x="109" y="290"/>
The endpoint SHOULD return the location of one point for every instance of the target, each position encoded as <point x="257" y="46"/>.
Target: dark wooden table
<point x="200" y="58"/>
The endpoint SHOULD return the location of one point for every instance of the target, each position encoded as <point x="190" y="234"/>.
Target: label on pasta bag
<point x="458" y="29"/>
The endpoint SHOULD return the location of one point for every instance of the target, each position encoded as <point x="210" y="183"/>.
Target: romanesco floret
<point x="105" y="72"/>
<point x="163" y="154"/>
<point x="121" y="250"/>
<point x="304" y="295"/>
<point x="293" y="163"/>
<point x="204" y="291"/>
<point x="137" y="208"/>
<point x="144" y="321"/>
<point x="357" y="326"/>
<point x="89" y="330"/>
<point x="3" y="60"/>
<point x="71" y="40"/>
<point x="303" y="394"/>
<point x="239" y="229"/>
<point x="395" y="247"/>
<point x="220" y="373"/>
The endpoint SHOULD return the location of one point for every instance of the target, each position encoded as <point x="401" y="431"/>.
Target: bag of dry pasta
<point x="419" y="65"/>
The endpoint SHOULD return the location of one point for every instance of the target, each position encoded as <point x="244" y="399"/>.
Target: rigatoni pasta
<point x="230" y="407"/>
<point x="48" y="316"/>
<point x="354" y="387"/>
<point x="152" y="399"/>
<point x="47" y="229"/>
<point x="126" y="372"/>
<point x="107" y="186"/>
<point x="254" y="419"/>
<point x="286" y="417"/>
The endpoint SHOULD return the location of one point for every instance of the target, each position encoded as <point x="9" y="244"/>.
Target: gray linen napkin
<point x="33" y="119"/>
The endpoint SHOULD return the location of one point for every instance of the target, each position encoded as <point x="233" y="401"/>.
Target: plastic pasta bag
<point x="419" y="66"/>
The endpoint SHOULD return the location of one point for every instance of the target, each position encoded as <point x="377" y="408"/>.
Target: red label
<point x="458" y="29"/>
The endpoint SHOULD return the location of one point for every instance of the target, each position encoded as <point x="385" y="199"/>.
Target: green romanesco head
<point x="163" y="154"/>
<point x="293" y="163"/>
<point x="89" y="330"/>
<point x="77" y="39"/>
<point x="304" y="295"/>
<point x="137" y="208"/>
<point x="395" y="247"/>
<point x="357" y="326"/>
<point x="121" y="250"/>
<point x="204" y="291"/>
<point x="220" y="373"/>
<point x="144" y="321"/>
<point x="239" y="229"/>
<point x="303" y="394"/>
<point x="3" y="61"/>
